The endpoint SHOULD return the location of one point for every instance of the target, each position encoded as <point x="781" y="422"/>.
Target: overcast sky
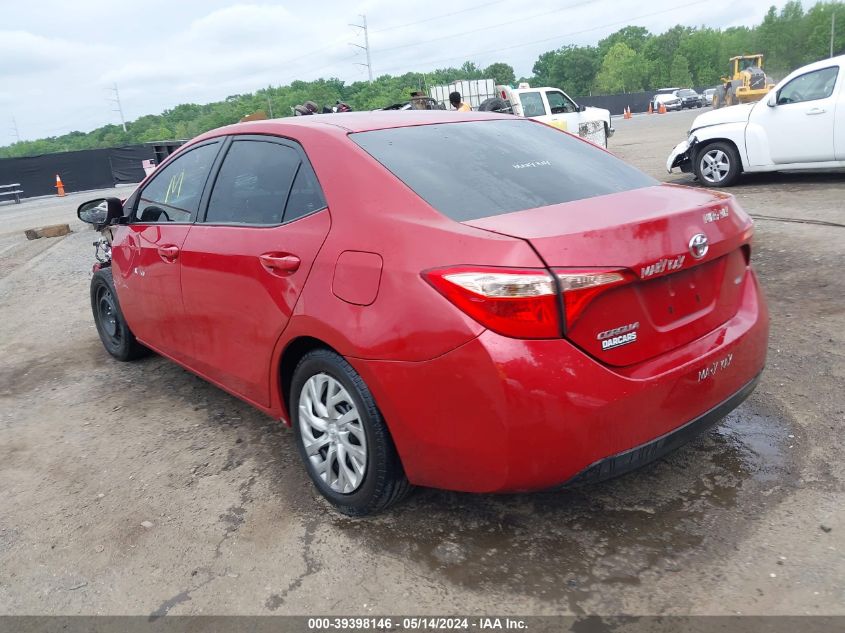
<point x="59" y="58"/>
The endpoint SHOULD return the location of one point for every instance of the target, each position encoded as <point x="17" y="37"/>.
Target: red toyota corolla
<point x="459" y="300"/>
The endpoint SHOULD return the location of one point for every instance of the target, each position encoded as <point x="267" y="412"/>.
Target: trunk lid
<point x="672" y="297"/>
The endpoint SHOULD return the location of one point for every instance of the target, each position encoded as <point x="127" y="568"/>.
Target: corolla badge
<point x="698" y="245"/>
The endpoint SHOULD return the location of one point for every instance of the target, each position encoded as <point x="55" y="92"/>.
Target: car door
<point x="839" y="122"/>
<point x="146" y="253"/>
<point x="799" y="127"/>
<point x="245" y="262"/>
<point x="563" y="112"/>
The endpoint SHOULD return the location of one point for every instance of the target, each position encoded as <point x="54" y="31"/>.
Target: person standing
<point x="455" y="100"/>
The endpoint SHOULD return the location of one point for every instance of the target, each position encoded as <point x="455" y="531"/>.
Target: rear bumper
<point x="500" y="414"/>
<point x="634" y="458"/>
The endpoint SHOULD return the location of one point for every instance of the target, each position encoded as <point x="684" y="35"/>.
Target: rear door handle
<point x="279" y="263"/>
<point x="813" y="111"/>
<point x="168" y="253"/>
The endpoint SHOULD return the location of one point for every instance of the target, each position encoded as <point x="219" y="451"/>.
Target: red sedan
<point x="459" y="300"/>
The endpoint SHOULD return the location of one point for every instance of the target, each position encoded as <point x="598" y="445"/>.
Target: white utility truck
<point x="550" y="105"/>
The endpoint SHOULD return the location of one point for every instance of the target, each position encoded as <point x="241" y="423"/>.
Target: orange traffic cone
<point x="650" y="111"/>
<point x="628" y="113"/>
<point x="662" y="109"/>
<point x="60" y="188"/>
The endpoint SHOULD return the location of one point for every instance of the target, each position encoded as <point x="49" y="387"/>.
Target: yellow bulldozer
<point x="747" y="83"/>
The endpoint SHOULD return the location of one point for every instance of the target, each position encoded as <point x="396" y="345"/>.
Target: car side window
<point x="263" y="182"/>
<point x="173" y="194"/>
<point x="305" y="195"/>
<point x="811" y="86"/>
<point x="253" y="184"/>
<point x="532" y="104"/>
<point x="559" y="103"/>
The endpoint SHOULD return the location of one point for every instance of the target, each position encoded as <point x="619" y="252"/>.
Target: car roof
<point x="822" y="63"/>
<point x="363" y="121"/>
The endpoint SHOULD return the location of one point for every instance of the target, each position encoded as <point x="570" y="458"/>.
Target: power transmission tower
<point x="15" y="130"/>
<point x="366" y="45"/>
<point x="119" y="108"/>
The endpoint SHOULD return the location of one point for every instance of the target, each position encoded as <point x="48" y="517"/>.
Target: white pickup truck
<point x="550" y="105"/>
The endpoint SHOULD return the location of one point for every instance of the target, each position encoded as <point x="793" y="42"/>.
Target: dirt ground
<point x="749" y="518"/>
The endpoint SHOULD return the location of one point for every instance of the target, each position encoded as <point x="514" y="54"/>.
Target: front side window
<point x="810" y="86"/>
<point x="532" y="104"/>
<point x="173" y="195"/>
<point x="524" y="165"/>
<point x="263" y="183"/>
<point x="559" y="103"/>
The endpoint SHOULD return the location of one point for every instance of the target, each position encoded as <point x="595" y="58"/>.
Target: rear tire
<point x="717" y="164"/>
<point x="342" y="438"/>
<point x="114" y="332"/>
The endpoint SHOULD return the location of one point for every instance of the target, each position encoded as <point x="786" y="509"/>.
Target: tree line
<point x="630" y="60"/>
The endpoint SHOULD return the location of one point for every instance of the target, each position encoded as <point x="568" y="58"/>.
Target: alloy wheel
<point x="333" y="434"/>
<point x="715" y="166"/>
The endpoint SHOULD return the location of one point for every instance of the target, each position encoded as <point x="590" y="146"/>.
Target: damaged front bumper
<point x="596" y="131"/>
<point x="681" y="156"/>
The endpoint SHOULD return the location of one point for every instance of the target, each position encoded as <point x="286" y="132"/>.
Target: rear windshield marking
<point x="476" y="169"/>
<point x="536" y="163"/>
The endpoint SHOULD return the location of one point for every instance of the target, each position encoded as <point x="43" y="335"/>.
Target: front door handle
<point x="813" y="111"/>
<point x="168" y="253"/>
<point x="279" y="263"/>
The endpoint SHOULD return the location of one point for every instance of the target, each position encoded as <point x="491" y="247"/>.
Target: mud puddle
<point x="566" y="545"/>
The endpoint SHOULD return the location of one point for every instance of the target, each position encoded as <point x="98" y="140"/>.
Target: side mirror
<point x="582" y="108"/>
<point x="772" y="101"/>
<point x="100" y="211"/>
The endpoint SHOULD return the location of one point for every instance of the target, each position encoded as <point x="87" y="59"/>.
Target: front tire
<point x="717" y="165"/>
<point x="342" y="438"/>
<point x="114" y="332"/>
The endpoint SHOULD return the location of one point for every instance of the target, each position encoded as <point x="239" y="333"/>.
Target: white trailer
<point x="473" y="92"/>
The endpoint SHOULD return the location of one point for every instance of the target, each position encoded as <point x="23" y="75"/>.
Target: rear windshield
<point x="479" y="169"/>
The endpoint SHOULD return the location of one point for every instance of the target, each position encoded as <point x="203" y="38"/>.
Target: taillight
<point x="581" y="286"/>
<point x="523" y="302"/>
<point x="515" y="302"/>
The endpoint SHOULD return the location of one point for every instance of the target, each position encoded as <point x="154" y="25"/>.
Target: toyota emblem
<point x="698" y="245"/>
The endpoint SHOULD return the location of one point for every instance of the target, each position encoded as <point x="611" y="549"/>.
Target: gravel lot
<point x="140" y="489"/>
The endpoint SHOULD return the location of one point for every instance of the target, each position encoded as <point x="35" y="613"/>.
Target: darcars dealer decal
<point x="618" y="336"/>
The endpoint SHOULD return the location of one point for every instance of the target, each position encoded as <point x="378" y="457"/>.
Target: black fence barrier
<point x="84" y="169"/>
<point x="637" y="101"/>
